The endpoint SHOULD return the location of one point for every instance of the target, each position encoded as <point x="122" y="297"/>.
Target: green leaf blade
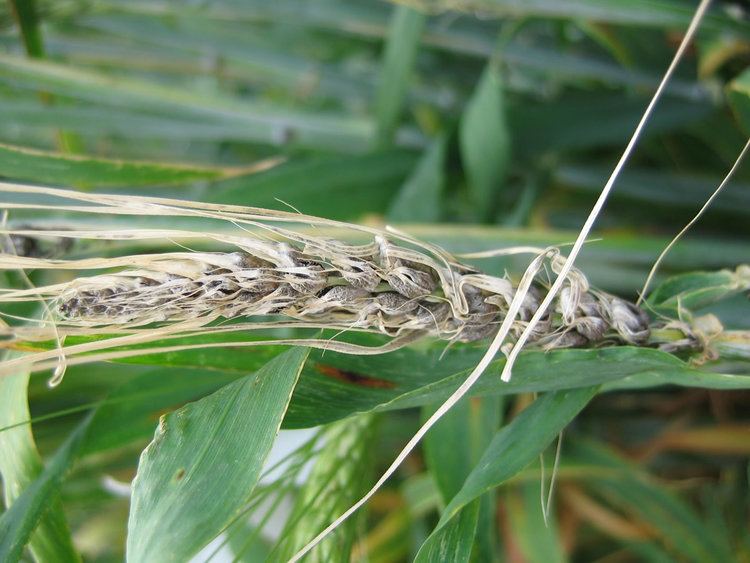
<point x="19" y="522"/>
<point x="455" y="540"/>
<point x="452" y="447"/>
<point x="485" y="140"/>
<point x="20" y="466"/>
<point x="204" y="462"/>
<point x="418" y="200"/>
<point x="86" y="171"/>
<point x="520" y="442"/>
<point x="398" y="63"/>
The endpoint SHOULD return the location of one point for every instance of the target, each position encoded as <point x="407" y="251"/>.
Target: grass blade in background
<point x="452" y="448"/>
<point x="249" y="120"/>
<point x="129" y="411"/>
<point x="485" y="141"/>
<point x="666" y="13"/>
<point x="675" y="522"/>
<point x="27" y="18"/>
<point x="20" y="465"/>
<point x="80" y="171"/>
<point x="400" y="54"/>
<point x="204" y="462"/>
<point x="27" y="511"/>
<point x="336" y="187"/>
<point x="419" y="199"/>
<point x="536" y="539"/>
<point x="513" y="448"/>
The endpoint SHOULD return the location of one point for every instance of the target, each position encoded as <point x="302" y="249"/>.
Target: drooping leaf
<point x="513" y="448"/>
<point x="204" y="462"/>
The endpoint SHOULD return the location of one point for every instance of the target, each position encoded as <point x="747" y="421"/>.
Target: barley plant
<point x="334" y="280"/>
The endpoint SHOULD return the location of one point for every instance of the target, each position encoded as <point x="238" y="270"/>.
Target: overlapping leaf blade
<point x="204" y="462"/>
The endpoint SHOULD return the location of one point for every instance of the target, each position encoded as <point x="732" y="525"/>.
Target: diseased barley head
<point x="382" y="286"/>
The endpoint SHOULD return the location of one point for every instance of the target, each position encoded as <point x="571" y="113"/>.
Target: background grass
<point x="474" y="124"/>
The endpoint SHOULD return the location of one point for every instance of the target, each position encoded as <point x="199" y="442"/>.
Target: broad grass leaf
<point x="419" y="199"/>
<point x="689" y="377"/>
<point x="400" y="54"/>
<point x="513" y="448"/>
<point x="80" y="171"/>
<point x="204" y="462"/>
<point x="334" y="386"/>
<point x="20" y="466"/>
<point x="538" y="371"/>
<point x="484" y="140"/>
<point x="41" y="495"/>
